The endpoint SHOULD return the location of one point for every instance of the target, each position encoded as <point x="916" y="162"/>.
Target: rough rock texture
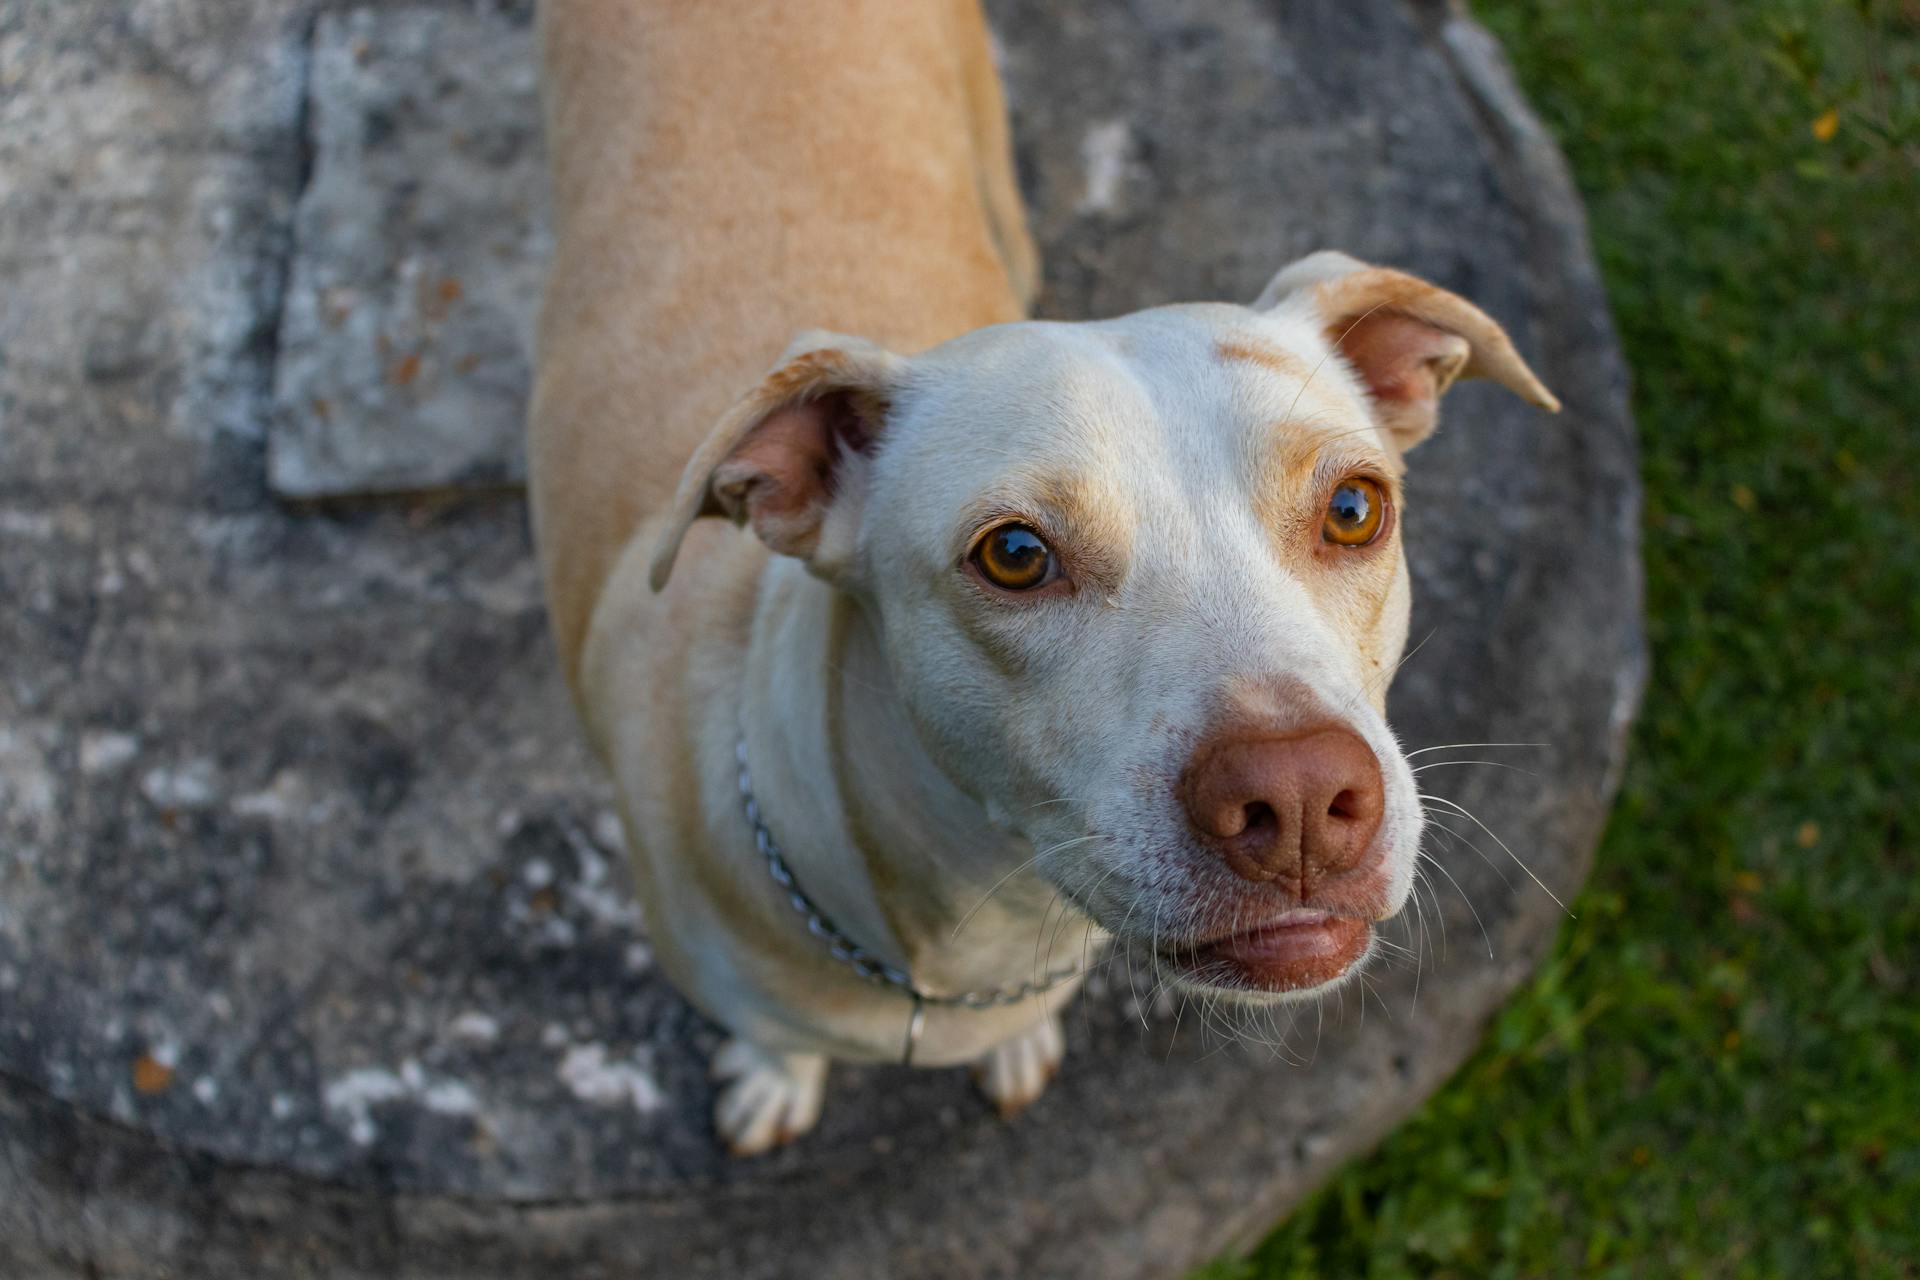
<point x="314" y="952"/>
<point x="407" y="333"/>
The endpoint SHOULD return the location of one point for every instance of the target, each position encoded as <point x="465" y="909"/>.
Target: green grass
<point x="1717" y="1072"/>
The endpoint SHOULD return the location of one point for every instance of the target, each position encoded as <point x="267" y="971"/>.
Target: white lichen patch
<point x="475" y="1027"/>
<point x="288" y="796"/>
<point x="103" y="751"/>
<point x="1107" y="152"/>
<point x="26" y="524"/>
<point x="592" y="895"/>
<point x="187" y="786"/>
<point x="450" y="1098"/>
<point x="591" y="1077"/>
<point x="354" y="1095"/>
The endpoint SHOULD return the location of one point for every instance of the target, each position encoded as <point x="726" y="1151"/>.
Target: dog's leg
<point x="1015" y="1072"/>
<point x="768" y="1099"/>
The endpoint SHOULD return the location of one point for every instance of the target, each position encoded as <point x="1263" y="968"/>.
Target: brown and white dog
<point x="1030" y="615"/>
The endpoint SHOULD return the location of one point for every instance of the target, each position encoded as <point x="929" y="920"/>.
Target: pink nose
<point x="1301" y="809"/>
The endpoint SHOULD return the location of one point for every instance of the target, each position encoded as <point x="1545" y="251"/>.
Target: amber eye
<point x="1014" y="558"/>
<point x="1354" y="513"/>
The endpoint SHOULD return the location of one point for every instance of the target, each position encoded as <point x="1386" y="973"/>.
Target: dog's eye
<point x="1354" y="513"/>
<point x="1014" y="558"/>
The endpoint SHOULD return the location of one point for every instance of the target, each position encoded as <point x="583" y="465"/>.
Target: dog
<point x="916" y="638"/>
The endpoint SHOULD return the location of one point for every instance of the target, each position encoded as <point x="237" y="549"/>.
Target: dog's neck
<point x="886" y="845"/>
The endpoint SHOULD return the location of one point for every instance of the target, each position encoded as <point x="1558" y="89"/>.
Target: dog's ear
<point x="789" y="457"/>
<point x="1407" y="339"/>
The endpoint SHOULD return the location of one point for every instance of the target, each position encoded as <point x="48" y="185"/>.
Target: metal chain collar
<point x="851" y="953"/>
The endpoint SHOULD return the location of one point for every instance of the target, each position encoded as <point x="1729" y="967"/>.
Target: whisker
<point x="1054" y="941"/>
<point x="1484" y="935"/>
<point x="1433" y="892"/>
<point x="1509" y="852"/>
<point x="972" y="911"/>
<point x="1041" y="933"/>
<point x="1064" y="844"/>
<point x="1419" y="960"/>
<point x="1174" y="1039"/>
<point x="1367" y="989"/>
<point x="1397" y="948"/>
<point x="1153" y="952"/>
<point x="1456" y="839"/>
<point x="1386" y="678"/>
<point x="1449" y="746"/>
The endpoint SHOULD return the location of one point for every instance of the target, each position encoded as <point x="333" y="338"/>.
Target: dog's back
<point x="726" y="174"/>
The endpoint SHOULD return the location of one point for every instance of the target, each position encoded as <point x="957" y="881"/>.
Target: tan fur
<point x="725" y="175"/>
<point x="1267" y="357"/>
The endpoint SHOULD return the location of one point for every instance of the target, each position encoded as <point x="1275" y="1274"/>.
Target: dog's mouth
<point x="1296" y="950"/>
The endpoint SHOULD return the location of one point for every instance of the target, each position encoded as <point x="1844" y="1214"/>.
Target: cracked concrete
<point x="314" y="952"/>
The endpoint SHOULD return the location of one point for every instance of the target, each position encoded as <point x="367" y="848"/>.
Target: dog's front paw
<point x="1015" y="1072"/>
<point x="769" y="1098"/>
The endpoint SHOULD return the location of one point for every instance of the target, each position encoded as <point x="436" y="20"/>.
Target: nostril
<point x="1346" y="806"/>
<point x="1259" y="817"/>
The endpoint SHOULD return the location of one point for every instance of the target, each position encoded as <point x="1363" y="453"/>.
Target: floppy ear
<point x="1407" y="339"/>
<point x="789" y="456"/>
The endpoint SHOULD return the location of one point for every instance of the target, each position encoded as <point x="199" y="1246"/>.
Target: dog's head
<point x="1141" y="586"/>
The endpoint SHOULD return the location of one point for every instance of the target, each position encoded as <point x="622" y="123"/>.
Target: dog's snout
<point x="1300" y="809"/>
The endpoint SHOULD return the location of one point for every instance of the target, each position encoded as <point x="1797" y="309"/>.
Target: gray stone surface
<point x="314" y="952"/>
<point x="407" y="331"/>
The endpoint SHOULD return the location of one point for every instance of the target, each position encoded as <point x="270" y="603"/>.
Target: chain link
<point x="845" y="949"/>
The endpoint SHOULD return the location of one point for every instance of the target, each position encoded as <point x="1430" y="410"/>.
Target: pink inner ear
<point x="1403" y="360"/>
<point x="785" y="463"/>
<point x="782" y="475"/>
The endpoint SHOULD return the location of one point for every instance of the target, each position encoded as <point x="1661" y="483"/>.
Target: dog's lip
<point x="1292" y="951"/>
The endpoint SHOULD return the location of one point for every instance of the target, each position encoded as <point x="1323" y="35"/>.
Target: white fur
<point x="1145" y="407"/>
